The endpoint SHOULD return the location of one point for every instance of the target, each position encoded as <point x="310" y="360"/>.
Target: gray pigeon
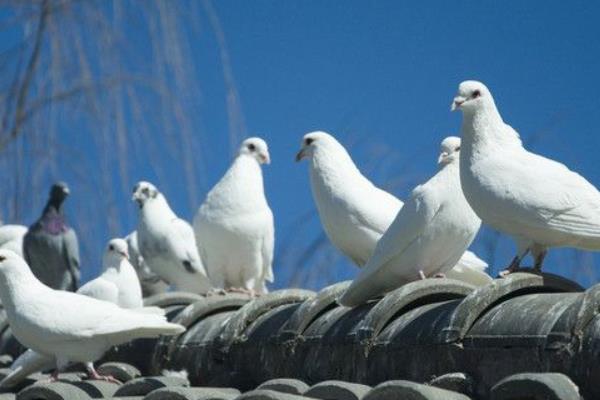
<point x="50" y="246"/>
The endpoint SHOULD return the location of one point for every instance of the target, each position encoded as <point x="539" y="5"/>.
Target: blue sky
<point x="380" y="76"/>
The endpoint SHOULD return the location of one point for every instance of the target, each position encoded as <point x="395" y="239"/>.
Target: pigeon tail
<point x="164" y="328"/>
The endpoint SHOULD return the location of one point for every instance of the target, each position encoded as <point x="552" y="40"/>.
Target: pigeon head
<point x="115" y="252"/>
<point x="58" y="193"/>
<point x="471" y="96"/>
<point x="450" y="151"/>
<point x="144" y="191"/>
<point x="257" y="148"/>
<point x="313" y="140"/>
<point x="117" y="248"/>
<point x="53" y="210"/>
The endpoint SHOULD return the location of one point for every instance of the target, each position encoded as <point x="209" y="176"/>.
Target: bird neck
<point x="334" y="166"/>
<point x="246" y="162"/>
<point x="125" y="268"/>
<point x="450" y="166"/>
<point x="484" y="130"/>
<point x="111" y="261"/>
<point x="158" y="206"/>
<point x="54" y="207"/>
<point x="449" y="173"/>
<point x="17" y="283"/>
<point x="241" y="188"/>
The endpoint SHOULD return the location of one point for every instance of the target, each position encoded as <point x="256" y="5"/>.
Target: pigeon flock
<point x="485" y="176"/>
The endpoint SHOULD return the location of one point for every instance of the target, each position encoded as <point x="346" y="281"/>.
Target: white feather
<point x="118" y="284"/>
<point x="167" y="242"/>
<point x="537" y="201"/>
<point x="429" y="235"/>
<point x="234" y="226"/>
<point x="354" y="212"/>
<point x="11" y="238"/>
<point x="68" y="326"/>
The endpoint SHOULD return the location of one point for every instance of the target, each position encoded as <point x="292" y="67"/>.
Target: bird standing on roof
<point x="428" y="237"/>
<point x="118" y="284"/>
<point x="354" y="212"/>
<point x="537" y="201"/>
<point x="68" y="326"/>
<point x="50" y="246"/>
<point x="234" y="226"/>
<point x="167" y="242"/>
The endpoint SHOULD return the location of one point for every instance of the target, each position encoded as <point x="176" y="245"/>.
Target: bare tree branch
<point x="237" y="126"/>
<point x="29" y="74"/>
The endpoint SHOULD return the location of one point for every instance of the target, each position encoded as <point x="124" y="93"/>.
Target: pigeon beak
<point x="301" y="154"/>
<point x="442" y="156"/>
<point x="265" y="158"/>
<point x="458" y="101"/>
<point x="124" y="254"/>
<point x="137" y="200"/>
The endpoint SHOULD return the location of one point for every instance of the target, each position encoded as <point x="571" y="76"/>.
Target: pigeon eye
<point x="111" y="247"/>
<point x="251" y="147"/>
<point x="457" y="149"/>
<point x="476" y="94"/>
<point x="2" y="258"/>
<point x="308" y="141"/>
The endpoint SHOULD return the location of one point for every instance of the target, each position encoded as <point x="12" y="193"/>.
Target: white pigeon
<point x="537" y="201"/>
<point x="151" y="283"/>
<point x="234" y="226"/>
<point x="428" y="237"/>
<point x="65" y="325"/>
<point x="354" y="212"/>
<point x="167" y="242"/>
<point x="118" y="284"/>
<point x="11" y="237"/>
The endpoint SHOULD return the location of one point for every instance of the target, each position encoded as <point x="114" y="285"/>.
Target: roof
<point x="524" y="334"/>
<point x="70" y="386"/>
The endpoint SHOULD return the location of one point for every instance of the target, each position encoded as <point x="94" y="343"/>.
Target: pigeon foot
<point x="216" y="292"/>
<point x="93" y="374"/>
<point x="249" y="292"/>
<point x="52" y="378"/>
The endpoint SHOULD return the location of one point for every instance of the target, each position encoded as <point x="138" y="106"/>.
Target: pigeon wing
<point x="100" y="289"/>
<point x="268" y="245"/>
<point x="71" y="254"/>
<point x="470" y="261"/>
<point x="84" y="317"/>
<point x="379" y="211"/>
<point x="543" y="194"/>
<point x="25" y="365"/>
<point x="409" y="224"/>
<point x="470" y="269"/>
<point x="183" y="243"/>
